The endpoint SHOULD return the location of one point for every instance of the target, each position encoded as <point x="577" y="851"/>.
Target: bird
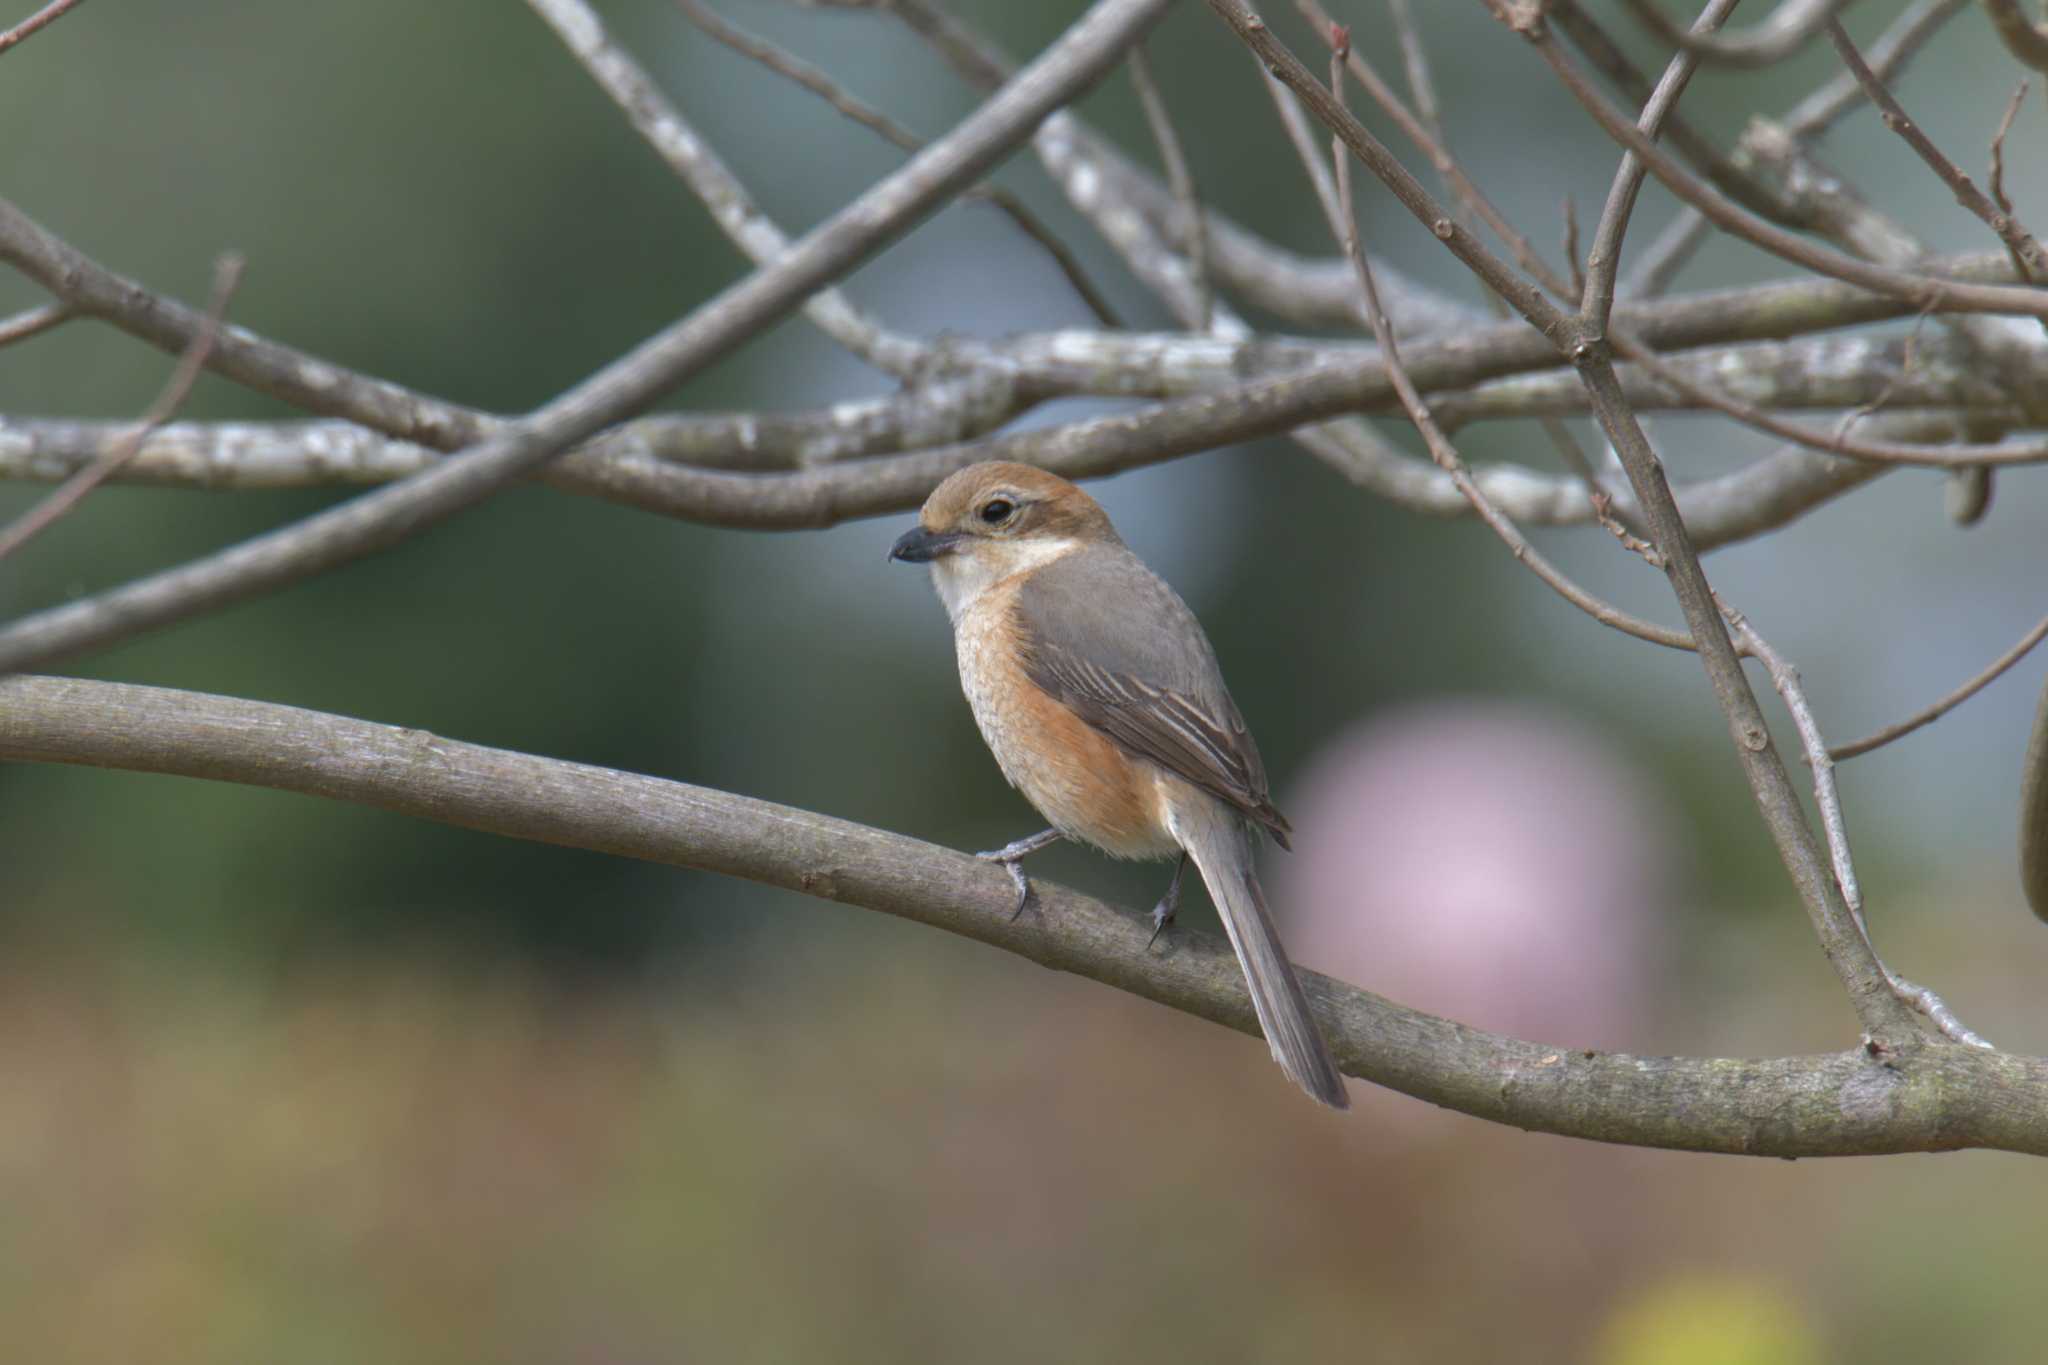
<point x="1101" y="699"/>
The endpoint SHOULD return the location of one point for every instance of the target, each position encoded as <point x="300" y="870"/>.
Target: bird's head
<point x="990" y="521"/>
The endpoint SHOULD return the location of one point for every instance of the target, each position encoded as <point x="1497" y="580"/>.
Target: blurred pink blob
<point x="1495" y="862"/>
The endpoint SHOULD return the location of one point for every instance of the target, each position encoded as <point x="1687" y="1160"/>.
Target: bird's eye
<point x="996" y="511"/>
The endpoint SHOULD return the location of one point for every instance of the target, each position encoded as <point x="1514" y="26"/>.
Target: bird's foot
<point x="1169" y="904"/>
<point x="1013" y="853"/>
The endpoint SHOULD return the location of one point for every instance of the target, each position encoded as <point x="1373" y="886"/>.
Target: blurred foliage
<point x="297" y="1081"/>
<point x="899" y="1147"/>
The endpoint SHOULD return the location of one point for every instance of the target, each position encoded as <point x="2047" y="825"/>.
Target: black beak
<point x="919" y="546"/>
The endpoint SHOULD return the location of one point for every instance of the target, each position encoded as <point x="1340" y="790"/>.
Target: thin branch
<point x="292" y="376"/>
<point x="1415" y="65"/>
<point x="2007" y="356"/>
<point x="691" y="157"/>
<point x="1826" y="797"/>
<point x="1521" y="294"/>
<point x="1885" y="1018"/>
<point x="1790" y="27"/>
<point x="31" y="322"/>
<point x="371" y="522"/>
<point x="2034" y="813"/>
<point x="1931" y="293"/>
<point x="1997" y="181"/>
<point x="1181" y="180"/>
<point x="1343" y="222"/>
<point x="41" y="19"/>
<point x="2025" y="250"/>
<point x="1897" y="45"/>
<point x="810" y="78"/>
<point x="1785" y="681"/>
<point x="227" y="273"/>
<point x="2026" y="40"/>
<point x="1723" y="172"/>
<point x="1667" y="254"/>
<point x="1933" y="1097"/>
<point x="1447" y="167"/>
<point x="1960" y="454"/>
<point x="1990" y="674"/>
<point x="1424" y="126"/>
<point x="1603" y="263"/>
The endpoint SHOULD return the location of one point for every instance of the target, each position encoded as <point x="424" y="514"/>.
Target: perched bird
<point x="1100" y="697"/>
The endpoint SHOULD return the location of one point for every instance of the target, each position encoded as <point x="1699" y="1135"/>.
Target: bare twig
<point x="2026" y="40"/>
<point x="1928" y="291"/>
<point x="41" y="19"/>
<point x="1827" y="798"/>
<point x="1415" y="63"/>
<point x="1791" y="25"/>
<point x="2034" y="813"/>
<point x="1843" y="1103"/>
<point x="227" y="273"/>
<point x="1785" y="680"/>
<point x="1989" y="674"/>
<point x="1344" y="226"/>
<point x="1888" y="56"/>
<point x="691" y="157"/>
<point x="1180" y="179"/>
<point x="1603" y="265"/>
<point x="1419" y="132"/>
<point x="810" y="78"/>
<point x="32" y="322"/>
<point x="1884" y="1016"/>
<point x="2026" y="252"/>
<point x="1571" y="249"/>
<point x="1997" y="181"/>
<point x="1667" y="254"/>
<point x="1520" y="293"/>
<point x="1722" y="171"/>
<point x="2012" y="111"/>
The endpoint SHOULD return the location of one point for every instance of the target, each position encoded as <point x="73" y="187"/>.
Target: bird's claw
<point x="1162" y="915"/>
<point x="1009" y="865"/>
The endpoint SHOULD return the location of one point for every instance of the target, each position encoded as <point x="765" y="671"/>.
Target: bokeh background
<point x="295" y="1081"/>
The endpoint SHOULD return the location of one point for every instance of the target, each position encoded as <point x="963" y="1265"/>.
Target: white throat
<point x="964" y="576"/>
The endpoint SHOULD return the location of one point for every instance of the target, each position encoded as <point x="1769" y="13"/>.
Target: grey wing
<point x="1108" y="638"/>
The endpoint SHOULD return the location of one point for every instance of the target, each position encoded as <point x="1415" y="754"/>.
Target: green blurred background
<point x="288" y="1080"/>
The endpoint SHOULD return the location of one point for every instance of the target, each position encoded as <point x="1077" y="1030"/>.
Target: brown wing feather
<point x="1202" y="740"/>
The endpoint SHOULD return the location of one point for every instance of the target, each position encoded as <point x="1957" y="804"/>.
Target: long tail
<point x="1221" y="847"/>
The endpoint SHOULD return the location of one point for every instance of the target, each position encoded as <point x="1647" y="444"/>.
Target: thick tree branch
<point x="1760" y="497"/>
<point x="1934" y="1096"/>
<point x="977" y="377"/>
